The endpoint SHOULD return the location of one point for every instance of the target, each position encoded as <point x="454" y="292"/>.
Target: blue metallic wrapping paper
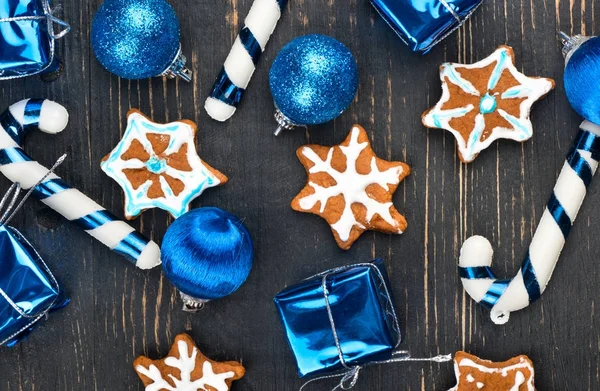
<point x="27" y="38"/>
<point x="28" y="291"/>
<point x="421" y="24"/>
<point x="363" y="323"/>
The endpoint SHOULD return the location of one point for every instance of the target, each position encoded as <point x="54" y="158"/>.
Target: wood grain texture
<point x="119" y="312"/>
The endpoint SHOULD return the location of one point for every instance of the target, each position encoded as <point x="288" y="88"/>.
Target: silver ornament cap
<point x="571" y="44"/>
<point x="178" y="68"/>
<point x="192" y="304"/>
<point x="284" y="123"/>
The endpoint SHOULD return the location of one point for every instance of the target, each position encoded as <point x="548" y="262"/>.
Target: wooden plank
<point x="119" y="312"/>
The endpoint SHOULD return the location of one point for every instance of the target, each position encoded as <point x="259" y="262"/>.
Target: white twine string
<point x="350" y="375"/>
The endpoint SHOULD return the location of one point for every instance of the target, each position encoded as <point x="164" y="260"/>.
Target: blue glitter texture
<point x="135" y="39"/>
<point x="313" y="79"/>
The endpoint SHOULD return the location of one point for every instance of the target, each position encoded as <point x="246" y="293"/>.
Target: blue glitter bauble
<point x="207" y="253"/>
<point x="582" y="74"/>
<point x="313" y="79"/>
<point x="135" y="39"/>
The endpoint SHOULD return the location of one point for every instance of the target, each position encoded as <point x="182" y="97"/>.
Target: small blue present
<point x="28" y="290"/>
<point x="27" y="38"/>
<point x="422" y="24"/>
<point x="340" y="318"/>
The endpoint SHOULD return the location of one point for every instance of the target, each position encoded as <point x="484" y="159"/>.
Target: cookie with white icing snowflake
<point x="186" y="369"/>
<point x="486" y="101"/>
<point x="475" y="374"/>
<point x="158" y="167"/>
<point x="351" y="188"/>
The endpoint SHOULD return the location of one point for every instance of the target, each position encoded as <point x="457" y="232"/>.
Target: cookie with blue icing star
<point x="158" y="167"/>
<point x="486" y="101"/>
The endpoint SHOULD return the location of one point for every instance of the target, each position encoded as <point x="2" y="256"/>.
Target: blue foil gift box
<point x="28" y="290"/>
<point x="340" y="318"/>
<point x="422" y="24"/>
<point x="27" y="38"/>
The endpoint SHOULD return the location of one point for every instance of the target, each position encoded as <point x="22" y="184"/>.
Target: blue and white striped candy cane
<point x="505" y="296"/>
<point x="16" y="165"/>
<point x="242" y="59"/>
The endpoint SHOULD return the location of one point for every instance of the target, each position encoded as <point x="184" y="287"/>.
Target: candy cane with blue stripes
<point x="505" y="296"/>
<point x="242" y="59"/>
<point x="16" y="165"/>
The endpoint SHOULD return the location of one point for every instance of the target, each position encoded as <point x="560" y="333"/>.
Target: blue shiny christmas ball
<point x="582" y="80"/>
<point x="313" y="79"/>
<point x="135" y="39"/>
<point x="207" y="253"/>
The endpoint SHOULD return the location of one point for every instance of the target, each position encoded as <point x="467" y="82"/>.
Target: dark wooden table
<point x="119" y="312"/>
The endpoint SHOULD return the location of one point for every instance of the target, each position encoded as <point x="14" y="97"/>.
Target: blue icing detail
<point x="516" y="123"/>
<point x="450" y="72"/>
<point x="156" y="165"/>
<point x="515" y="92"/>
<point x="476" y="134"/>
<point x="488" y="104"/>
<point x="442" y="115"/>
<point x="495" y="76"/>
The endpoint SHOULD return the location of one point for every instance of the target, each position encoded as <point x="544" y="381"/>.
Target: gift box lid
<point x="25" y="282"/>
<point x="361" y="308"/>
<point x="421" y="24"/>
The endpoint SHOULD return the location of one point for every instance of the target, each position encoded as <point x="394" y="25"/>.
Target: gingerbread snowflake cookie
<point x="486" y="101"/>
<point x="157" y="166"/>
<point x="351" y="188"/>
<point x="186" y="369"/>
<point x="475" y="374"/>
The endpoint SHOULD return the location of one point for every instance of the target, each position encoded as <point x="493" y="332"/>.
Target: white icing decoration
<point x="519" y="379"/>
<point x="186" y="364"/>
<point x="519" y="376"/>
<point x="531" y="89"/>
<point x="352" y="185"/>
<point x="195" y="181"/>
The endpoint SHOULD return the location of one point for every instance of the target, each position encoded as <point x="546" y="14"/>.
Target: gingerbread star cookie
<point x="351" y="188"/>
<point x="157" y="166"/>
<point x="186" y="369"/>
<point x="486" y="101"/>
<point x="475" y="374"/>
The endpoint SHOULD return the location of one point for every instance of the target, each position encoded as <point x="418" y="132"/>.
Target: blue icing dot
<point x="488" y="104"/>
<point x="156" y="165"/>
